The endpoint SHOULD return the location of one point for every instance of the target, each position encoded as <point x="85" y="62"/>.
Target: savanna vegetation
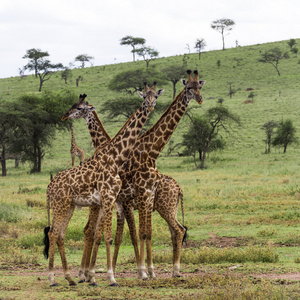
<point x="241" y="208"/>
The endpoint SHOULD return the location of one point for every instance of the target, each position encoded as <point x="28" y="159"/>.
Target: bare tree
<point x="223" y="25"/>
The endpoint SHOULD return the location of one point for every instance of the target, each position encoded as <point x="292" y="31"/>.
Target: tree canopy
<point x="133" y="42"/>
<point x="223" y="26"/>
<point x="83" y="58"/>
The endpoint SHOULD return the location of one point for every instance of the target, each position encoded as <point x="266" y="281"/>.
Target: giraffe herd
<point x="121" y="173"/>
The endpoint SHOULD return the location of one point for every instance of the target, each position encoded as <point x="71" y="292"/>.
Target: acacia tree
<point x="286" y="134"/>
<point x="269" y="131"/>
<point x="147" y="53"/>
<point x="83" y="58"/>
<point x="174" y="73"/>
<point x="223" y="26"/>
<point x="133" y="42"/>
<point x="42" y="67"/>
<point x="39" y="116"/>
<point x="273" y="57"/>
<point x="205" y="132"/>
<point x="200" y="45"/>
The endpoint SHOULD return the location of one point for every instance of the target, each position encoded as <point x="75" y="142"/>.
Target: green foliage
<point x="285" y="135"/>
<point x="12" y="213"/>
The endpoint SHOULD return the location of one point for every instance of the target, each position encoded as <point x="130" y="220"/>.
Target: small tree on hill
<point x="174" y="73"/>
<point x="204" y="133"/>
<point x="269" y="131"/>
<point x="223" y="26"/>
<point x="83" y="59"/>
<point x="199" y="46"/>
<point x="273" y="57"/>
<point x="42" y="67"/>
<point x="286" y="134"/>
<point x="133" y="42"/>
<point x="291" y="43"/>
<point x="147" y="53"/>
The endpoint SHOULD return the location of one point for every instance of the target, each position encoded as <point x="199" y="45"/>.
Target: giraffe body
<point x="92" y="183"/>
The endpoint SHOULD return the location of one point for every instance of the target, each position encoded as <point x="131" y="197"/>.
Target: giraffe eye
<point x="79" y="108"/>
<point x="188" y="87"/>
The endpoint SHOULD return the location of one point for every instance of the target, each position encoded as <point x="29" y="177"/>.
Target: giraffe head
<point x="150" y="95"/>
<point x="79" y="110"/>
<point x="193" y="86"/>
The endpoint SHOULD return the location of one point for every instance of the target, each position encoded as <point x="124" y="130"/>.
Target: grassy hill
<point x="275" y="96"/>
<point x="244" y="201"/>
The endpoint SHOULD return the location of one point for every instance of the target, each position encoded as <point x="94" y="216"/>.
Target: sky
<point x="68" y="28"/>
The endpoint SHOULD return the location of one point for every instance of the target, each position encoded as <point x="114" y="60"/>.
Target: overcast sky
<point x="67" y="28"/>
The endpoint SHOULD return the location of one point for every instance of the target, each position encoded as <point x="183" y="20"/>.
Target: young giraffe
<point x="75" y="150"/>
<point x="142" y="159"/>
<point x="167" y="195"/>
<point x="94" y="183"/>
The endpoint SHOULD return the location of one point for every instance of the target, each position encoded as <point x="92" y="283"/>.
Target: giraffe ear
<point x="141" y="94"/>
<point x="160" y="91"/>
<point x="202" y="82"/>
<point x="92" y="108"/>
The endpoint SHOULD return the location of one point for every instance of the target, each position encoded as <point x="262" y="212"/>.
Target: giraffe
<point x="140" y="175"/>
<point x="167" y="195"/>
<point x="75" y="150"/>
<point x="94" y="183"/>
<point x="191" y="90"/>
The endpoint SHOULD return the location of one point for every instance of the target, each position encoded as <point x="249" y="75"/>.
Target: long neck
<point x="156" y="138"/>
<point x="73" y="143"/>
<point x="121" y="145"/>
<point x="97" y="131"/>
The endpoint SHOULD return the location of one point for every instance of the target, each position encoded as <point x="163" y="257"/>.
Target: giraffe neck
<point x="158" y="136"/>
<point x="73" y="143"/>
<point x="99" y="135"/>
<point x="121" y="145"/>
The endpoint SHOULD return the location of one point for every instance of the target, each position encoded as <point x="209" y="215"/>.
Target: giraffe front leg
<point x="148" y="245"/>
<point x="142" y="236"/>
<point x="89" y="232"/>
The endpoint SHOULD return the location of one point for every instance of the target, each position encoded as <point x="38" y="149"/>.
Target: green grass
<point x="241" y="211"/>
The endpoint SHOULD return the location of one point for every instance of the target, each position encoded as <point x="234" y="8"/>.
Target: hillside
<point x="275" y="96"/>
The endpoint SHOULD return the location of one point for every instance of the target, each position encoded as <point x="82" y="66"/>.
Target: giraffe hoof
<point x="93" y="284"/>
<point x="72" y="283"/>
<point x="81" y="281"/>
<point x="54" y="284"/>
<point x="114" y="284"/>
<point x="146" y="278"/>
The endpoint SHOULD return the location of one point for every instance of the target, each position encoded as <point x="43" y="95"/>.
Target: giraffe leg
<point x="89" y="232"/>
<point x="126" y="212"/>
<point x="107" y="224"/>
<point x="119" y="233"/>
<point x="61" y="247"/>
<point x="148" y="244"/>
<point x="59" y="225"/>
<point x="73" y="160"/>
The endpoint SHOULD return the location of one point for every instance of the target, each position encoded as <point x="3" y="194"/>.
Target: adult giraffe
<point x="94" y="183"/>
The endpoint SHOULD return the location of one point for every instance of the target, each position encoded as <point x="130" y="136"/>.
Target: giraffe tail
<point x="182" y="212"/>
<point x="46" y="242"/>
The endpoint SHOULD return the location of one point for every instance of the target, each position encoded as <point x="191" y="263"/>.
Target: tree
<point x="223" y="25"/>
<point x="286" y="134"/>
<point x="66" y="74"/>
<point x="204" y="132"/>
<point x="269" y="131"/>
<point x="41" y="66"/>
<point x="38" y="117"/>
<point x="147" y="53"/>
<point x="200" y="45"/>
<point x="132" y="81"/>
<point x="174" y="73"/>
<point x="34" y="56"/>
<point x="133" y="42"/>
<point x="273" y="56"/>
<point x="291" y="43"/>
<point x="83" y="58"/>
